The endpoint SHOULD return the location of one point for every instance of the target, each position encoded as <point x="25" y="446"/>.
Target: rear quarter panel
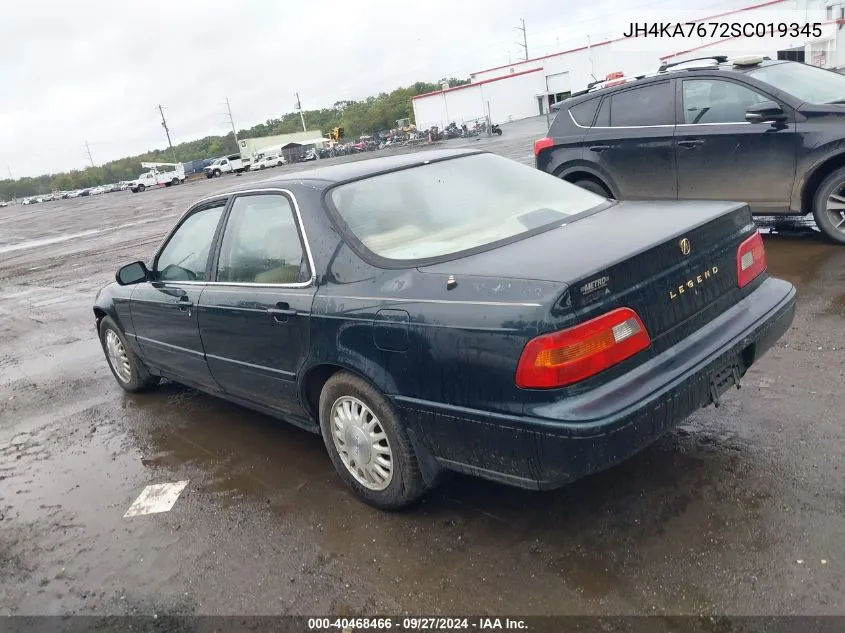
<point x="416" y="340"/>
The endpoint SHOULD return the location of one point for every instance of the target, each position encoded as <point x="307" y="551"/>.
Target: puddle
<point x="798" y="259"/>
<point x="47" y="241"/>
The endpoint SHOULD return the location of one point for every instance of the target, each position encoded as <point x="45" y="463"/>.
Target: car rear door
<point x="632" y="141"/>
<point x="164" y="310"/>
<point x="720" y="156"/>
<point x="255" y="317"/>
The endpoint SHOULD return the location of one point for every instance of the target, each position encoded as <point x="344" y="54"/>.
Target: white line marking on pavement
<point x="156" y="498"/>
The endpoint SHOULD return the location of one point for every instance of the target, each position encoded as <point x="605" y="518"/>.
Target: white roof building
<point x="530" y="87"/>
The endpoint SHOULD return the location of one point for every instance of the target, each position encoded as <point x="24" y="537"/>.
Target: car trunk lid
<point x="674" y="263"/>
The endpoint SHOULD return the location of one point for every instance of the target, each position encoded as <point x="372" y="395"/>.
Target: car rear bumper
<point x="554" y="444"/>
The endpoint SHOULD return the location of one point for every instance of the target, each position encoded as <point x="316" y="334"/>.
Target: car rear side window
<point x="717" y="101"/>
<point x="584" y="112"/>
<point x="261" y="243"/>
<point x="647" y="105"/>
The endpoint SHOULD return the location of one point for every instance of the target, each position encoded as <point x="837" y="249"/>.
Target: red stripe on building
<point x="477" y="83"/>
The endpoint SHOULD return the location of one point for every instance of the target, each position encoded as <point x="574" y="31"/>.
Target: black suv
<point x="769" y="133"/>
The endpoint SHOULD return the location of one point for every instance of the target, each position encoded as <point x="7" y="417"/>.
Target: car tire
<point x="831" y="222"/>
<point x="128" y="370"/>
<point x="141" y="188"/>
<point x="217" y="173"/>
<point x="175" y="181"/>
<point x="347" y="392"/>
<point x="593" y="186"/>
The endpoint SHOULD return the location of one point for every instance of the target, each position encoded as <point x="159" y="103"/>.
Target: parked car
<point x="3" y="203"/>
<point x="31" y="200"/>
<point x="531" y="334"/>
<point x="74" y="194"/>
<point x="767" y="132"/>
<point x="232" y="164"/>
<point x="270" y="160"/>
<point x="96" y="191"/>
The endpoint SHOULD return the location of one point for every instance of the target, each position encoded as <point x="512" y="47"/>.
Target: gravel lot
<point x="740" y="511"/>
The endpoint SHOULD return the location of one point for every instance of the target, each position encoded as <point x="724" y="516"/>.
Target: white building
<point x="254" y="148"/>
<point x="529" y="88"/>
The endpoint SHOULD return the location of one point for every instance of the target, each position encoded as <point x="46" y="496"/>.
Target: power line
<point x="524" y="44"/>
<point x="167" y="131"/>
<point x="88" y="149"/>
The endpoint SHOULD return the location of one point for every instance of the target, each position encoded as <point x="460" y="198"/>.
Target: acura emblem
<point x="685" y="246"/>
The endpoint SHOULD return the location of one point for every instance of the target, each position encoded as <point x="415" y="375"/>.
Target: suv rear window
<point x="584" y="112"/>
<point x="647" y="105"/>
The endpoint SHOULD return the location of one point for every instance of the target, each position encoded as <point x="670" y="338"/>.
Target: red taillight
<point x="569" y="356"/>
<point x="750" y="260"/>
<point x="542" y="143"/>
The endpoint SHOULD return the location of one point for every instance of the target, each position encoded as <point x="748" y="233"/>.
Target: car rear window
<point x="584" y="112"/>
<point x="446" y="207"/>
<point x="647" y="105"/>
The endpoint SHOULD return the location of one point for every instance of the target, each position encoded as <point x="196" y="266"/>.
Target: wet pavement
<point x="740" y="511"/>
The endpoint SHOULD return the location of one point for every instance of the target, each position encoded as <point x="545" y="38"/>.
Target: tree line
<point x="368" y="116"/>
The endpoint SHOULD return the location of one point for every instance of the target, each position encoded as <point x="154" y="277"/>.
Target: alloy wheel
<point x="835" y="208"/>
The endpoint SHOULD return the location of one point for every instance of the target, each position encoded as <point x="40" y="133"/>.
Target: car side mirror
<point x="765" y="111"/>
<point x="133" y="273"/>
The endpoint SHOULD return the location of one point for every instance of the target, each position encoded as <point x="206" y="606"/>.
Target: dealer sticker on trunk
<point x="596" y="284"/>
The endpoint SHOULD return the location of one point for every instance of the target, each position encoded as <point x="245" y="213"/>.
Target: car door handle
<point x="281" y="311"/>
<point x="184" y="303"/>
<point x="598" y="148"/>
<point x="690" y="144"/>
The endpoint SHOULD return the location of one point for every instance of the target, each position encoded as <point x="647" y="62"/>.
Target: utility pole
<point x="232" y="121"/>
<point x="167" y="131"/>
<point x="88" y="149"/>
<point x="524" y="43"/>
<point x="301" y="116"/>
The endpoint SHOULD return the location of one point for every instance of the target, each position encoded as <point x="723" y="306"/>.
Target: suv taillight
<point x="750" y="260"/>
<point x="562" y="358"/>
<point x="542" y="143"/>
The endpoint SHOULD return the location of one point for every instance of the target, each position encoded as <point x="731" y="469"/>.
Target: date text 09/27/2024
<point x="723" y="29"/>
<point x="415" y="624"/>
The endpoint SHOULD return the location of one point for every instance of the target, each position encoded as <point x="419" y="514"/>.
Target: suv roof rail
<point x="719" y="59"/>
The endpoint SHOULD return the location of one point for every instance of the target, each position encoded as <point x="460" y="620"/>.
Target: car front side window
<point x="261" y="243"/>
<point x="717" y="101"/>
<point x="185" y="256"/>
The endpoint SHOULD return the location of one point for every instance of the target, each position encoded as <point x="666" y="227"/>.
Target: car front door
<point x="164" y="310"/>
<point x="255" y="318"/>
<point x="720" y="156"/>
<point x="632" y="141"/>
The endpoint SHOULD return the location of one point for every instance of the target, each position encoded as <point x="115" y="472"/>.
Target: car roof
<point x="324" y="177"/>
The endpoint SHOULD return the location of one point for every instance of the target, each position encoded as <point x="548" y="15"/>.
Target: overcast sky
<point x="95" y="70"/>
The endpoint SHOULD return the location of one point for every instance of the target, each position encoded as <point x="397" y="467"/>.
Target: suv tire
<point x="831" y="222"/>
